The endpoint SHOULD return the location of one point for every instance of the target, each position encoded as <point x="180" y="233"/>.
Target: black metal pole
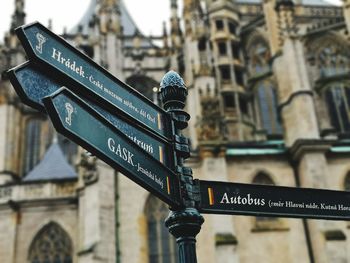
<point x="186" y="223"/>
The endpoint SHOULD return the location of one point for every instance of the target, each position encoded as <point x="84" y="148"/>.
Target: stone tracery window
<point x="332" y="60"/>
<point x="32" y="144"/>
<point x="161" y="245"/>
<point x="266" y="104"/>
<point x="259" y="54"/>
<point x="265" y="95"/>
<point x="51" y="245"/>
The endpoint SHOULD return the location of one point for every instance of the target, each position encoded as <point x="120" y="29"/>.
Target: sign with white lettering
<point x="76" y="120"/>
<point x="276" y="201"/>
<point x="32" y="86"/>
<point x="63" y="62"/>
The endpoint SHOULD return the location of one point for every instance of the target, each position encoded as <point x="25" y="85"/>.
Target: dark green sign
<point x="264" y="200"/>
<point x="77" y="121"/>
<point x="32" y="86"/>
<point x="63" y="62"/>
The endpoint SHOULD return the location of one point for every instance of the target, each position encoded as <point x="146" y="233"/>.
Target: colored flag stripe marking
<point x="159" y="121"/>
<point x="161" y="155"/>
<point x="211" y="196"/>
<point x="168" y="184"/>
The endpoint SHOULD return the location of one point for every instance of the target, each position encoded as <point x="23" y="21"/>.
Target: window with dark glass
<point x="243" y="105"/>
<point x="333" y="60"/>
<point x="51" y="245"/>
<point x="229" y="101"/>
<point x="239" y="77"/>
<point x="232" y="28"/>
<point x="202" y="44"/>
<point x="219" y="25"/>
<point x="267" y="107"/>
<point x="32" y="144"/>
<point x="225" y="72"/>
<point x="222" y="48"/>
<point x="235" y="50"/>
<point x="161" y="245"/>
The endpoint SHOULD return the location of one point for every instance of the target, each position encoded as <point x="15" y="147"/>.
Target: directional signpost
<point x="265" y="200"/>
<point x="61" y="61"/>
<point x="130" y="133"/>
<point x="73" y="118"/>
<point x="32" y="86"/>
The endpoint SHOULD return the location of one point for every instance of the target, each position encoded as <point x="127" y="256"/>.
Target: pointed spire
<point x="18" y="17"/>
<point x="165" y="35"/>
<point x="176" y="34"/>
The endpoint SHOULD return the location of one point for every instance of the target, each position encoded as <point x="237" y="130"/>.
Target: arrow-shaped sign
<point x="76" y="120"/>
<point x="265" y="200"/>
<point x="32" y="86"/>
<point x="61" y="61"/>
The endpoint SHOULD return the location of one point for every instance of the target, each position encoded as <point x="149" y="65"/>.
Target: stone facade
<point x="269" y="99"/>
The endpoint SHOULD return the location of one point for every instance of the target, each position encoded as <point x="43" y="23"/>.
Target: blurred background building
<point x="269" y="97"/>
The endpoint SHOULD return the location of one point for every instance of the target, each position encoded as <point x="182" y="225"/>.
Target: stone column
<point x="214" y="167"/>
<point x="297" y="109"/>
<point x="346" y="12"/>
<point x="313" y="171"/>
<point x="97" y="213"/>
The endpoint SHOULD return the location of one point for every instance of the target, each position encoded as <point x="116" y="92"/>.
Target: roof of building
<point x="128" y="24"/>
<point x="53" y="166"/>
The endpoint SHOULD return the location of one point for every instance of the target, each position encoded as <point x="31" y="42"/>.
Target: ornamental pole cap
<point x="173" y="91"/>
<point x="172" y="79"/>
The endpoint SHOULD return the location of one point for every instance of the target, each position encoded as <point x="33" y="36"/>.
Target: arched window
<point x="32" y="144"/>
<point x="161" y="245"/>
<point x="266" y="103"/>
<point x="332" y="61"/>
<point x="144" y="85"/>
<point x="51" y="245"/>
<point x="263" y="178"/>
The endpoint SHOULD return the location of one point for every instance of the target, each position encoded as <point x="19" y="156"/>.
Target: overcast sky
<point x="148" y="14"/>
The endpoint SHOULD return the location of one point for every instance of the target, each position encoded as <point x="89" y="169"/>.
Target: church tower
<point x="11" y="147"/>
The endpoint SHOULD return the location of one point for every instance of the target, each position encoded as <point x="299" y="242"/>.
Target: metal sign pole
<point x="183" y="224"/>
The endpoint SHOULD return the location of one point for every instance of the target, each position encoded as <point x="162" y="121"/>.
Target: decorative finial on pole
<point x="173" y="93"/>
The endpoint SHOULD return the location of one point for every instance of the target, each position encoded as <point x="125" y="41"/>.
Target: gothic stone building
<point x="269" y="96"/>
